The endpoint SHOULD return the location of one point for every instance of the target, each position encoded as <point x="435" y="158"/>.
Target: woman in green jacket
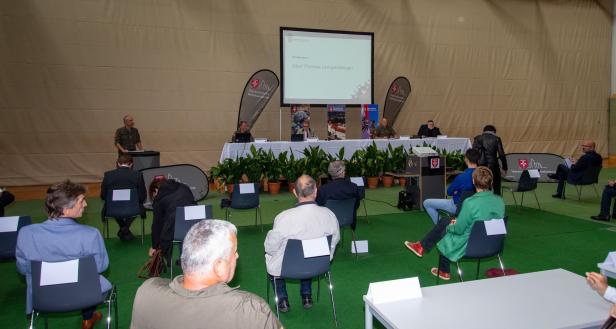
<point x="451" y="235"/>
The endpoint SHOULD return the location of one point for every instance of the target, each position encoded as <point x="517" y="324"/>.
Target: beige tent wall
<point x="70" y="69"/>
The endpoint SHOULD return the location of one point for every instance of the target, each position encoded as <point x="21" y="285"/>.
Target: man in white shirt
<point x="306" y="220"/>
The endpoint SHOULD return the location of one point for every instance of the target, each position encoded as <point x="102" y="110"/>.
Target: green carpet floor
<point x="559" y="236"/>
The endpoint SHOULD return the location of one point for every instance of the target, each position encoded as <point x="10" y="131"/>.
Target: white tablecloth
<point x="238" y="150"/>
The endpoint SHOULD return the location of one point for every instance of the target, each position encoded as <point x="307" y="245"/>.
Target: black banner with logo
<point x="257" y="93"/>
<point x="398" y="92"/>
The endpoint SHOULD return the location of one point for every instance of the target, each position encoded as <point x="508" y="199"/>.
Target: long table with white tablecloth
<point x="239" y="150"/>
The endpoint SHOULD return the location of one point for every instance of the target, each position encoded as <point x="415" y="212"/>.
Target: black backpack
<point x="409" y="198"/>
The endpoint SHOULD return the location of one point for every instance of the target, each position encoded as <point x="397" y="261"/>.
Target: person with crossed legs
<point x="451" y="235"/>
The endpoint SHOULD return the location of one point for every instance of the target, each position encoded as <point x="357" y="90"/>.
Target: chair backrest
<point x="465" y="195"/>
<point x="481" y="245"/>
<point x="241" y="199"/>
<point x="526" y="183"/>
<point x="589" y="176"/>
<point x="343" y="209"/>
<point x="122" y="203"/>
<point x="186" y="217"/>
<point x="65" y="297"/>
<point x="295" y="266"/>
<point x="9" y="229"/>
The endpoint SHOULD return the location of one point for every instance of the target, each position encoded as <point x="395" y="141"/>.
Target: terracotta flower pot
<point x="373" y="182"/>
<point x="402" y="181"/>
<point x="229" y="188"/>
<point x="291" y="187"/>
<point x="388" y="180"/>
<point x="274" y="187"/>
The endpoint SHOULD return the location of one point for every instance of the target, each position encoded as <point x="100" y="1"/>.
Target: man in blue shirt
<point x="61" y="238"/>
<point x="463" y="182"/>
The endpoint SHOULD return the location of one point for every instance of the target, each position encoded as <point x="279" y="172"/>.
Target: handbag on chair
<point x="153" y="267"/>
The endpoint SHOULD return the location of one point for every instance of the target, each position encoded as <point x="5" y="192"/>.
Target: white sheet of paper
<point x="260" y="140"/>
<point x="610" y="259"/>
<point x="9" y="224"/>
<point x="495" y="227"/>
<point x="121" y="195"/>
<point x="362" y="247"/>
<point x="359" y="181"/>
<point x="194" y="212"/>
<point x="59" y="273"/>
<point x="441" y="136"/>
<point x="394" y="290"/>
<point x="534" y="173"/>
<point x="247" y="188"/>
<point x="312" y="139"/>
<point x="315" y="247"/>
<point x="404" y="137"/>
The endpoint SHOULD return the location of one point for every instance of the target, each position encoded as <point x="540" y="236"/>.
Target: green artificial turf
<point x="561" y="237"/>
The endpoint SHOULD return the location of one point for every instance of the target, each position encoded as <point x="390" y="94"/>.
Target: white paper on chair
<point x="534" y="173"/>
<point x="59" y="273"/>
<point x="362" y="247"/>
<point x="495" y="227"/>
<point x="394" y="290"/>
<point x="194" y="212"/>
<point x="608" y="267"/>
<point x="359" y="181"/>
<point x="9" y="224"/>
<point x="247" y="188"/>
<point x="121" y="195"/>
<point x="315" y="247"/>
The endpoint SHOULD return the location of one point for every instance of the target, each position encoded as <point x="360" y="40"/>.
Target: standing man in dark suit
<point x="428" y="130"/>
<point x="574" y="169"/>
<point x="124" y="177"/>
<point x="491" y="149"/>
<point x="340" y="188"/>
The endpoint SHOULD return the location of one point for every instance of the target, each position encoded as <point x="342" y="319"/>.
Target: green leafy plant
<point x="373" y="161"/>
<point x="227" y="172"/>
<point x="397" y="158"/>
<point x="291" y="168"/>
<point x="354" y="164"/>
<point x="315" y="162"/>
<point x="273" y="166"/>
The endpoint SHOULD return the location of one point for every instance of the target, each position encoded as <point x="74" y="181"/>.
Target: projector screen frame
<point x="286" y="28"/>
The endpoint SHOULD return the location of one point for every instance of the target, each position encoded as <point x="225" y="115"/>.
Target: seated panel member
<point x="306" y="220"/>
<point x="306" y="130"/>
<point x="463" y="182"/>
<point x="124" y="177"/>
<point x="61" y="238"/>
<point x="384" y="130"/>
<point x="242" y="128"/>
<point x="340" y="188"/>
<point x="201" y="298"/>
<point x="428" y="130"/>
<point x="590" y="158"/>
<point x="127" y="138"/>
<point x="451" y="235"/>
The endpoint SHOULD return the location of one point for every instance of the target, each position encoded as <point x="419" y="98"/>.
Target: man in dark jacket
<point x="576" y="169"/>
<point x="124" y="177"/>
<point x="491" y="149"/>
<point x="5" y="199"/>
<point x="167" y="195"/>
<point x="340" y="188"/>
<point x="428" y="130"/>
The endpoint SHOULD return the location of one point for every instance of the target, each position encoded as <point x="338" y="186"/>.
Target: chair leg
<point x="109" y="304"/>
<point x="267" y="281"/>
<point x="171" y="262"/>
<point x="260" y="218"/>
<point x="142" y="229"/>
<point x="32" y="318"/>
<point x="106" y="229"/>
<point x="501" y="264"/>
<point x="459" y="272"/>
<point x="365" y="211"/>
<point x="115" y="307"/>
<point x="318" y="287"/>
<point x="522" y="200"/>
<point x="276" y="299"/>
<point x="46" y="322"/>
<point x="331" y="294"/>
<point x="478" y="262"/>
<point x="515" y="202"/>
<point x="537" y="199"/>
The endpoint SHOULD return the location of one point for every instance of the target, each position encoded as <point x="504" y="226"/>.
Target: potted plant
<point x="227" y="173"/>
<point x="372" y="164"/>
<point x="397" y="158"/>
<point x="388" y="167"/>
<point x="315" y="162"/>
<point x="291" y="170"/>
<point x="273" y="170"/>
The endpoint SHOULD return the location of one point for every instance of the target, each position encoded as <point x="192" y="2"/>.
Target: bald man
<point x="576" y="170"/>
<point x="384" y="130"/>
<point x="127" y="138"/>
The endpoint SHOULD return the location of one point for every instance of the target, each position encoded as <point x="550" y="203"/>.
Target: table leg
<point x="368" y="316"/>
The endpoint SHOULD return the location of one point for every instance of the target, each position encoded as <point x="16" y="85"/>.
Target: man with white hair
<point x="340" y="188"/>
<point x="201" y="297"/>
<point x="305" y="221"/>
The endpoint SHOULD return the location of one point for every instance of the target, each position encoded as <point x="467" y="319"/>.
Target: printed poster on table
<point x="336" y="122"/>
